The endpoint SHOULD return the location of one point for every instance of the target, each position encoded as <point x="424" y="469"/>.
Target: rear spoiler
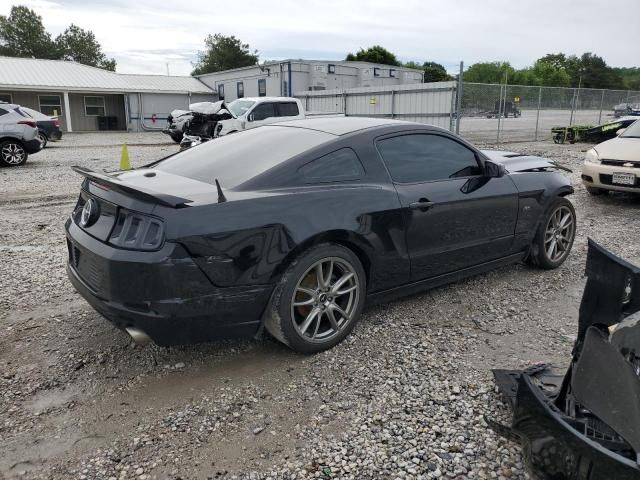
<point x="141" y="193"/>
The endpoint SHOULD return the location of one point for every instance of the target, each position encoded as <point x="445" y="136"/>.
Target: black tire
<point x="543" y="241"/>
<point x="176" y="138"/>
<point x="285" y="321"/>
<point x="12" y="153"/>
<point x="596" y="190"/>
<point x="43" y="139"/>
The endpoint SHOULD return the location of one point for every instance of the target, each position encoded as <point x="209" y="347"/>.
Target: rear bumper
<point x="164" y="293"/>
<point x="55" y="135"/>
<point x="33" y="146"/>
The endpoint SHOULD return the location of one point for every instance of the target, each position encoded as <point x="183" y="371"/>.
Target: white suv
<point x="18" y="135"/>
<point x="253" y="112"/>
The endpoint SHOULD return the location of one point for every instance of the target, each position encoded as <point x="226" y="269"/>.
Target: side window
<point x="287" y="109"/>
<point x="262" y="87"/>
<point x="240" y="89"/>
<point x="424" y="158"/>
<point x="336" y="166"/>
<point x="263" y="111"/>
<point x="3" y="112"/>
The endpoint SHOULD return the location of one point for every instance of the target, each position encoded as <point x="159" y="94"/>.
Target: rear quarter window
<point x="341" y="165"/>
<point x="287" y="109"/>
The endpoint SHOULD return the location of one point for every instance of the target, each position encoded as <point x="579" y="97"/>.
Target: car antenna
<point x="221" y="197"/>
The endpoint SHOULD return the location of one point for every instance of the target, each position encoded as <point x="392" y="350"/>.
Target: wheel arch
<point x="348" y="239"/>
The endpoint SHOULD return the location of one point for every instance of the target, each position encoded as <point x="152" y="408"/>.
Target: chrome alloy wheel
<point x="325" y="299"/>
<point x="559" y="233"/>
<point x="13" y="154"/>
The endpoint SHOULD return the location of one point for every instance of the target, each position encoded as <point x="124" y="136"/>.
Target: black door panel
<point x="456" y="216"/>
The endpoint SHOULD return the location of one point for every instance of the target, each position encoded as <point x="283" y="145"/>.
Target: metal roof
<point x="38" y="74"/>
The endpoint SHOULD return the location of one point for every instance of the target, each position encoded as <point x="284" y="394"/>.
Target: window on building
<point x="240" y="89"/>
<point x="94" y="106"/>
<point x="340" y="165"/>
<point x="262" y="87"/>
<point x="376" y="72"/>
<point x="221" y="91"/>
<point x="263" y="111"/>
<point x="392" y="72"/>
<point x="424" y="158"/>
<point x="331" y="68"/>
<point x="50" y="104"/>
<point x="287" y="109"/>
<point x="6" y="97"/>
<point x="285" y="88"/>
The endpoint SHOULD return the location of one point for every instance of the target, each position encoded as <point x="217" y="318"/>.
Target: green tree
<point x="81" y="46"/>
<point x="22" y="34"/>
<point x="375" y="54"/>
<point x="434" y="72"/>
<point x="223" y="53"/>
<point x="550" y="74"/>
<point x="489" y="72"/>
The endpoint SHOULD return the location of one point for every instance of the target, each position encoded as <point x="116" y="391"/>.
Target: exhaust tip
<point x="138" y="336"/>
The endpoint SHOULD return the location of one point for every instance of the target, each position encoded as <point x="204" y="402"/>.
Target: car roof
<point x="346" y="125"/>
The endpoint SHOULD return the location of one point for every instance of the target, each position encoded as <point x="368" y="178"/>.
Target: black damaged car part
<point x="585" y="424"/>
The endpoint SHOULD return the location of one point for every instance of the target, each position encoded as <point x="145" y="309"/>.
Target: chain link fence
<point x="511" y="113"/>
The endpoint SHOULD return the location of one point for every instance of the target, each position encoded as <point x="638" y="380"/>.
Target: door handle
<point x="423" y="205"/>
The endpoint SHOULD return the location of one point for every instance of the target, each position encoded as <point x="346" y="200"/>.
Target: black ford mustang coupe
<point x="292" y="227"/>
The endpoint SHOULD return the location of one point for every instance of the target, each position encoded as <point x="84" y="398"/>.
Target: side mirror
<point x="251" y="117"/>
<point x="494" y="170"/>
<point x="620" y="131"/>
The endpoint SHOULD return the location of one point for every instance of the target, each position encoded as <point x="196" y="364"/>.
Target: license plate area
<point x="623" y="178"/>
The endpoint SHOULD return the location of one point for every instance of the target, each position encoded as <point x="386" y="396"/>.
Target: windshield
<point x="234" y="159"/>
<point x="632" y="131"/>
<point x="240" y="107"/>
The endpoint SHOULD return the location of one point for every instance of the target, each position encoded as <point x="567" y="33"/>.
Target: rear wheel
<point x="43" y="139"/>
<point x="12" y="153"/>
<point x="555" y="236"/>
<point x="318" y="300"/>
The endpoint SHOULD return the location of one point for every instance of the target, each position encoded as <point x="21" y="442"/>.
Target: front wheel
<point x="555" y="235"/>
<point x="318" y="300"/>
<point x="12" y="153"/>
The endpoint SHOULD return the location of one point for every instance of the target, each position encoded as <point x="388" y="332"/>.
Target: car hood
<point x="209" y="108"/>
<point x="620" y="148"/>
<point x="518" y="162"/>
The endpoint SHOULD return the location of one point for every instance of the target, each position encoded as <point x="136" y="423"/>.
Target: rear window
<point x="236" y="158"/>
<point x="287" y="109"/>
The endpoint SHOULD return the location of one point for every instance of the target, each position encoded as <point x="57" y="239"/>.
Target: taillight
<point x="56" y="123"/>
<point x="31" y="123"/>
<point x="136" y="231"/>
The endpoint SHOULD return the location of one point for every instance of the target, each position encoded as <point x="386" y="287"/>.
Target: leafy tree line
<point x="558" y="70"/>
<point x="22" y="34"/>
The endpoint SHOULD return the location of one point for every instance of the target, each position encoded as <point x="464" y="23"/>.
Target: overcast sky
<point x="144" y="35"/>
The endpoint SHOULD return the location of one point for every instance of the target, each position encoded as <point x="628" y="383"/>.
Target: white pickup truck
<point x="253" y="112"/>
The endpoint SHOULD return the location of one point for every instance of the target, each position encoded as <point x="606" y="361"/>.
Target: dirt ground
<point x="403" y="397"/>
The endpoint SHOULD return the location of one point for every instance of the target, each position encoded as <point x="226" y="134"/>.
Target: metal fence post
<point x="459" y="99"/>
<point x="601" y="104"/>
<point x="573" y="106"/>
<point x="500" y="104"/>
<point x="538" y="111"/>
<point x="393" y="104"/>
<point x="344" y="102"/>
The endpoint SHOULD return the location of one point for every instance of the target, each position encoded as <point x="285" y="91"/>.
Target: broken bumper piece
<point x="584" y="424"/>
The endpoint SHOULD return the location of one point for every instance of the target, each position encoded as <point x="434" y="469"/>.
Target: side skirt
<point x="428" y="283"/>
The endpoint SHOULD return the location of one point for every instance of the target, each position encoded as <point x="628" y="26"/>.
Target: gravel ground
<point x="404" y="396"/>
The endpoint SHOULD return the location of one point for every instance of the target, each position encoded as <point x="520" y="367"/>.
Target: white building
<point x="288" y="77"/>
<point x="88" y="99"/>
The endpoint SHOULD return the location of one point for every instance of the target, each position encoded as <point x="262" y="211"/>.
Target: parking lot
<point x="404" y="397"/>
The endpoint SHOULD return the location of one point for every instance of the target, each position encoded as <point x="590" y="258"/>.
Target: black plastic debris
<point x="584" y="424"/>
